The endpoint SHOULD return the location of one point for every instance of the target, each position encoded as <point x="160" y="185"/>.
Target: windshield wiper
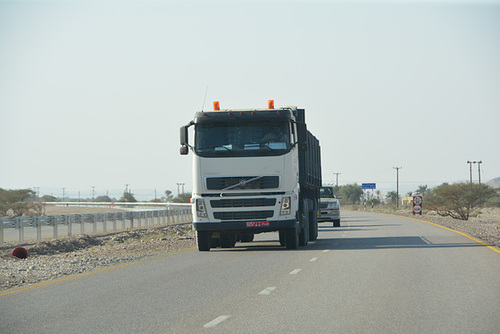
<point x="213" y="147"/>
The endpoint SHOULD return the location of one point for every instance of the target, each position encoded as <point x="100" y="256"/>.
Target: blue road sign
<point x="368" y="186"/>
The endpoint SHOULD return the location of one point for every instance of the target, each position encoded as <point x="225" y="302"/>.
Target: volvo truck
<point x="254" y="171"/>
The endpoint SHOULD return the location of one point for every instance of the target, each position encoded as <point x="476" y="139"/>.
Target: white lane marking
<point x="314" y="259"/>
<point x="295" y="272"/>
<point x="267" y="291"/>
<point x="426" y="241"/>
<point x="217" y="321"/>
<point x="326" y="251"/>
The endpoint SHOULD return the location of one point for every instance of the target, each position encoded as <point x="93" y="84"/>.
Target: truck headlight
<point x="285" y="206"/>
<point x="201" y="210"/>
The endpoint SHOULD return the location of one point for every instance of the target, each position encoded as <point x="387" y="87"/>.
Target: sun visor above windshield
<point x="240" y="115"/>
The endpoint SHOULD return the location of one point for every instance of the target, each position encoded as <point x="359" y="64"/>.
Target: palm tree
<point x="423" y="190"/>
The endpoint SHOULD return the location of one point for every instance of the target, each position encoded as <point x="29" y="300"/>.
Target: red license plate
<point x="258" y="224"/>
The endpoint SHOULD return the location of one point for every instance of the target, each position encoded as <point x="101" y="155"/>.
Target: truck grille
<point x="323" y="205"/>
<point x="243" y="215"/>
<point x="241" y="203"/>
<point x="242" y="182"/>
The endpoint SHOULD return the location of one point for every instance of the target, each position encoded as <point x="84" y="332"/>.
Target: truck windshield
<point x="236" y="138"/>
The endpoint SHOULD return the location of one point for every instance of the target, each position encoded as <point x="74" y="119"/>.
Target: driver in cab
<point x="276" y="136"/>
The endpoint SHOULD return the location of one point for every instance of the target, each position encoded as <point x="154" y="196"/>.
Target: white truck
<point x="254" y="171"/>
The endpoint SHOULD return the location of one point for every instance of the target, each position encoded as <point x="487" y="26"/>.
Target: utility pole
<point x="337" y="184"/>
<point x="470" y="164"/>
<point x="93" y="193"/>
<point x="479" y="177"/>
<point x="479" y="170"/>
<point x="63" y="194"/>
<point x="397" y="186"/>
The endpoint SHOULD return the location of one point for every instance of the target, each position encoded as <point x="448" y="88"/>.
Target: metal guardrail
<point x="125" y="220"/>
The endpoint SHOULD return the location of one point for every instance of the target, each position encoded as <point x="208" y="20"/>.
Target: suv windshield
<point x="254" y="138"/>
<point x="326" y="192"/>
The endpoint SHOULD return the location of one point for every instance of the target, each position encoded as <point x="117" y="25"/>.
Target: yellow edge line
<point x="92" y="272"/>
<point x="449" y="229"/>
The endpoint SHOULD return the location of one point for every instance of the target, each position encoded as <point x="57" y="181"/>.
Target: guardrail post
<point x="94" y="223"/>
<point x="2" y="240"/>
<point x="37" y="224"/>
<point x="82" y="224"/>
<point x="68" y="222"/>
<point x="114" y="221"/>
<point x="19" y="225"/>
<point x="124" y="216"/>
<point x="131" y="220"/>
<point x="54" y="227"/>
<point x="104" y="219"/>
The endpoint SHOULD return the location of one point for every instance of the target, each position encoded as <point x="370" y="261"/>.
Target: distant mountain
<point x="494" y="183"/>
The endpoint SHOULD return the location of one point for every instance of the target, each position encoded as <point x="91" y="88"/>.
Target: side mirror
<point x="184" y="140"/>
<point x="184" y="135"/>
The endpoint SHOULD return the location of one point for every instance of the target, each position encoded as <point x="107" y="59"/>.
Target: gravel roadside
<point x="65" y="257"/>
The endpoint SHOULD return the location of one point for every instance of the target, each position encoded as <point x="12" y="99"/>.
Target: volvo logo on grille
<point x="243" y="182"/>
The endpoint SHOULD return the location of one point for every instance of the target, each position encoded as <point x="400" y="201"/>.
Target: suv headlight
<point x="285" y="206"/>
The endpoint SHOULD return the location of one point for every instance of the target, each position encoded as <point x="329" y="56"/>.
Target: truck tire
<point x="305" y="222"/>
<point x="304" y="236"/>
<point x="246" y="237"/>
<point x="204" y="240"/>
<point x="313" y="223"/>
<point x="292" y="238"/>
<point x="282" y="238"/>
<point x="336" y="223"/>
<point x="227" y="239"/>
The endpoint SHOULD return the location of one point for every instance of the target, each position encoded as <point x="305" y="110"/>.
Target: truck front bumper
<point x="246" y="226"/>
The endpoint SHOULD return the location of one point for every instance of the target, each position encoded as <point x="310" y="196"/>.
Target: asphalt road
<point x="375" y="274"/>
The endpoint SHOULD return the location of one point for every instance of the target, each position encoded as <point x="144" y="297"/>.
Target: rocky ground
<point x="64" y="257"/>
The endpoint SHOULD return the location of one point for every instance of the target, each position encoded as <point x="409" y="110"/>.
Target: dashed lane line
<point x="314" y="259"/>
<point x="267" y="291"/>
<point x="217" y="321"/>
<point x="295" y="272"/>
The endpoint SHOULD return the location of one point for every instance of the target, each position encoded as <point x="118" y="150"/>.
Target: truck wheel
<point x="246" y="237"/>
<point x="203" y="240"/>
<point x="304" y="229"/>
<point x="292" y="238"/>
<point x="304" y="236"/>
<point x="313" y="224"/>
<point x="282" y="236"/>
<point x="227" y="240"/>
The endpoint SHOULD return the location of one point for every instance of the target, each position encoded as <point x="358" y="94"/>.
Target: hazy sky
<point x="92" y="93"/>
